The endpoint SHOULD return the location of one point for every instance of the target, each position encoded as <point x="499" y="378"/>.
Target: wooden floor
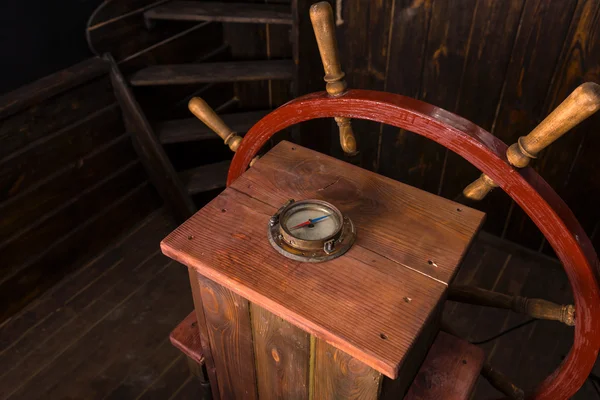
<point x="103" y="331"/>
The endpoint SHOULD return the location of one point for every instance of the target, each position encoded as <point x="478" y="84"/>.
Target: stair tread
<point x="206" y="177"/>
<point x="191" y="129"/>
<point x="231" y="71"/>
<point x="221" y="12"/>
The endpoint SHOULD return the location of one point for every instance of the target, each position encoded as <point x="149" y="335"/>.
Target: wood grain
<point x="338" y="375"/>
<point x="282" y="353"/>
<point x="186" y="337"/>
<point x="449" y="372"/>
<point x="350" y="303"/>
<point x="426" y="233"/>
<point x="228" y="323"/>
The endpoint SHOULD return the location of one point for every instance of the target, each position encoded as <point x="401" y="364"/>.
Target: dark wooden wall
<point x="503" y="64"/>
<point x="70" y="181"/>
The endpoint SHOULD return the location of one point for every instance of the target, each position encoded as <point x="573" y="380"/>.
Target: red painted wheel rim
<point x="547" y="210"/>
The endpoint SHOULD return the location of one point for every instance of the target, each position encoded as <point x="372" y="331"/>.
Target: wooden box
<point x="358" y="326"/>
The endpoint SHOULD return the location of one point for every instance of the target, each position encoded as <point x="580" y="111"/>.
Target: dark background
<point x="40" y="37"/>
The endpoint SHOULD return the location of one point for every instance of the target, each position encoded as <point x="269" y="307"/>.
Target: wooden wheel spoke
<point x="535" y="308"/>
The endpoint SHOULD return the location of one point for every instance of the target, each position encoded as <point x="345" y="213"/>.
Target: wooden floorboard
<point x="102" y="332"/>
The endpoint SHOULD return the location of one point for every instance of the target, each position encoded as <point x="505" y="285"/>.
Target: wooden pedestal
<point x="357" y="327"/>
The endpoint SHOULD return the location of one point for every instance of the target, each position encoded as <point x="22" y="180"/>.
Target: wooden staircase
<point x="277" y="71"/>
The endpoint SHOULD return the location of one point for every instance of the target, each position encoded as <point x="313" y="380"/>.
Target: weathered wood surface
<point x="191" y="129"/>
<point x="221" y="12"/>
<point x="232" y="71"/>
<point x="150" y="151"/>
<point x="51" y="85"/>
<point x="406" y="225"/>
<point x="282" y="353"/>
<point x="186" y="337"/>
<point x="370" y="277"/>
<point x="228" y="324"/>
<point x="449" y="371"/>
<point x="337" y="375"/>
<point x="206" y="177"/>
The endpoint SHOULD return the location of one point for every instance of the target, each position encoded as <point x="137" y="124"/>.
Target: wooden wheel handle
<point x="321" y="16"/>
<point x="583" y="102"/>
<point x="206" y="114"/>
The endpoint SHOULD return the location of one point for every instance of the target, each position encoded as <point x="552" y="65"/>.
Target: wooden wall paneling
<point x="399" y="155"/>
<point x="42" y="89"/>
<point x="29" y="241"/>
<point x="33" y="163"/>
<point x="448" y="44"/>
<point x="565" y="164"/>
<point x="337" y="375"/>
<point x="230" y="332"/>
<point x="151" y="153"/>
<point x="363" y="40"/>
<point x="279" y="46"/>
<point x="315" y="134"/>
<point x="30" y="205"/>
<point x="282" y="353"/>
<point x="492" y="39"/>
<point x="74" y="248"/>
<point x="53" y="114"/>
<point x="529" y="74"/>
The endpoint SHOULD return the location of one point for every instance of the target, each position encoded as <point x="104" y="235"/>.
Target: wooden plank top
<point x="374" y="301"/>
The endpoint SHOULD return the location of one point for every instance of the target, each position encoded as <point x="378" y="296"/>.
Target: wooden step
<point x="221" y="12"/>
<point x="186" y="337"/>
<point x="233" y="71"/>
<point x="206" y="177"/>
<point x="449" y="371"/>
<point x="191" y="129"/>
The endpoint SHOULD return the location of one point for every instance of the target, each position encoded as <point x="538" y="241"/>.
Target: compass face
<point x="310" y="231"/>
<point x="311" y="221"/>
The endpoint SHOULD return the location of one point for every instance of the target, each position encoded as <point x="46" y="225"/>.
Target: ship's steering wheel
<point x="501" y="166"/>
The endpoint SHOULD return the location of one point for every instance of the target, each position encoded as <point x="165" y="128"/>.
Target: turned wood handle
<point x="583" y="102"/>
<point x="321" y="16"/>
<point x="206" y="114"/>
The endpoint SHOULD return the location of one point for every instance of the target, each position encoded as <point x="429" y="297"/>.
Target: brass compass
<point x="310" y="231"/>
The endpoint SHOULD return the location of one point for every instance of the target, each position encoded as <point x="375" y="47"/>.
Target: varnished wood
<point x="209" y="117"/>
<point x="337" y="375"/>
<point x="485" y="152"/>
<point x="282" y="353"/>
<point x="206" y="177"/>
<point x="449" y="371"/>
<point x="371" y="276"/>
<point x="190" y="129"/>
<point x="151" y="153"/>
<point x="234" y="71"/>
<point x="535" y="308"/>
<point x="221" y="12"/>
<point x="321" y="16"/>
<point x="228" y="323"/>
<point x="186" y="337"/>
<point x="51" y="85"/>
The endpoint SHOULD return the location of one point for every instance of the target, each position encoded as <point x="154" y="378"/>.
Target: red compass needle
<point x="309" y="222"/>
